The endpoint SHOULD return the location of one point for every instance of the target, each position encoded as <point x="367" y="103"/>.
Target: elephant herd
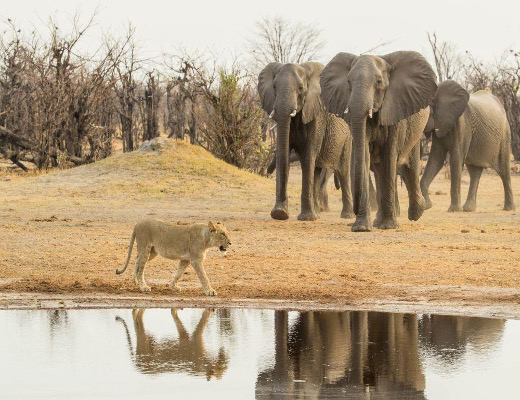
<point x="367" y="113"/>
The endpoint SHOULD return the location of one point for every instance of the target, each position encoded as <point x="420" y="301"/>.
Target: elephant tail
<point x="337" y="183"/>
<point x="120" y="271"/>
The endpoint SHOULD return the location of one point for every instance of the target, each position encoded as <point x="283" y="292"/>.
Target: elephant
<point x="474" y="130"/>
<point x="344" y="354"/>
<point x="290" y="94"/>
<point x="385" y="101"/>
<point x="322" y="196"/>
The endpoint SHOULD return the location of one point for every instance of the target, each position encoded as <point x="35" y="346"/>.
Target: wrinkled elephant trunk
<point x="360" y="176"/>
<point x="281" y="208"/>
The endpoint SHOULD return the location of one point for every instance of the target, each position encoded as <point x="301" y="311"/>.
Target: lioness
<point x="188" y="243"/>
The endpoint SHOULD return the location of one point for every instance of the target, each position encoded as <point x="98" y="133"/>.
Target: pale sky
<point x="485" y="28"/>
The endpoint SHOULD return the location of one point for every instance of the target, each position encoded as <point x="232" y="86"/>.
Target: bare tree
<point x="152" y="97"/>
<point x="448" y="61"/>
<point x="53" y="100"/>
<point x="277" y="39"/>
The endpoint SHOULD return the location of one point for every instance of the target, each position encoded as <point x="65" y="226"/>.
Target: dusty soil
<point x="62" y="235"/>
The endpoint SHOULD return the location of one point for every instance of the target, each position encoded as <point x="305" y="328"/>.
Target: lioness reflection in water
<point x="185" y="353"/>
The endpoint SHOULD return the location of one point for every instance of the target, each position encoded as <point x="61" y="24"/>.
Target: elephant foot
<point x="362" y="225"/>
<point x="307" y="216"/>
<point x="509" y="207"/>
<point x="388" y="223"/>
<point x="279" y="212"/>
<point x="416" y="210"/>
<point x="469" y="207"/>
<point x="347" y="214"/>
<point x="377" y="220"/>
<point x="454" y="208"/>
<point x="427" y="204"/>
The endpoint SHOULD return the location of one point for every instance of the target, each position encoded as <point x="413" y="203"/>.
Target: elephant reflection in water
<point x="447" y="337"/>
<point x="346" y="353"/>
<point x="185" y="354"/>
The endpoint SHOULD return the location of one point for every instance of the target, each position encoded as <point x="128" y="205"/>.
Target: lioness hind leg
<point x="153" y="254"/>
<point x="206" y="286"/>
<point x="143" y="254"/>
<point x="183" y="264"/>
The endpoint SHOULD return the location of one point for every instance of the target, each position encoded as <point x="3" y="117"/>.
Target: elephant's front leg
<point x="388" y="184"/>
<point x="307" y="199"/>
<point x="411" y="173"/>
<point x="346" y="193"/>
<point x="433" y="166"/>
<point x="455" y="172"/>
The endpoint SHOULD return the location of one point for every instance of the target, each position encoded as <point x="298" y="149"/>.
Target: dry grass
<point x="67" y="231"/>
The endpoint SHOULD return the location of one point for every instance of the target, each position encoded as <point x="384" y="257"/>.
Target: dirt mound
<point x="170" y="167"/>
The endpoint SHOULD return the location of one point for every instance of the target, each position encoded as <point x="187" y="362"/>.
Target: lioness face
<point x="219" y="236"/>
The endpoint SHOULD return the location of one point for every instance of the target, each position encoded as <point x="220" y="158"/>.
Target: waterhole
<point x="247" y="354"/>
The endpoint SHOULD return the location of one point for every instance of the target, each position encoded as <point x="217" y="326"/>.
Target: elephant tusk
<point x="436" y="130"/>
<point x="271" y="115"/>
<point x="293" y="113"/>
<point x="370" y="113"/>
<point x="346" y="111"/>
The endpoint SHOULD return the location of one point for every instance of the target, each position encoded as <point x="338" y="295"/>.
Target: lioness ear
<point x="212" y="227"/>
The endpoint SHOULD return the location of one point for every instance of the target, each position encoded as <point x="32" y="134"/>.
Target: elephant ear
<point x="265" y="85"/>
<point x="335" y="91"/>
<point x="449" y="103"/>
<point x="313" y="103"/>
<point x="411" y="87"/>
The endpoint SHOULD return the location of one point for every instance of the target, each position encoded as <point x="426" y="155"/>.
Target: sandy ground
<point x="62" y="235"/>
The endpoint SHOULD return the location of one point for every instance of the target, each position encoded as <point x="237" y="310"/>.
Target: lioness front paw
<point x="145" y="289"/>
<point x="175" y="288"/>
<point x="210" y="292"/>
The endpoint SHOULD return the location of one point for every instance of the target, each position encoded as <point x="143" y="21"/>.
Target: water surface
<point x="247" y="354"/>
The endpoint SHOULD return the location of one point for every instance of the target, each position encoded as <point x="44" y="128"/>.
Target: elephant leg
<point x="504" y="171"/>
<point x="319" y="175"/>
<point x="183" y="264"/>
<point x="377" y="177"/>
<point x="456" y="173"/>
<point x="474" y="179"/>
<point x="388" y="183"/>
<point x="307" y="199"/>
<point x="347" y="210"/>
<point x="433" y="166"/>
<point x="373" y="195"/>
<point x="411" y="173"/>
<point x="323" y="194"/>
<point x="397" y="206"/>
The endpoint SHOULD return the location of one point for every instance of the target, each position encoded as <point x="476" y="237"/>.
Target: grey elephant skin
<point x="323" y="196"/>
<point x="474" y="130"/>
<point x="385" y="101"/>
<point x="290" y="94"/>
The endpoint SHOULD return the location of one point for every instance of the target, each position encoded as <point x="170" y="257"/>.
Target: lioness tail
<point x="120" y="271"/>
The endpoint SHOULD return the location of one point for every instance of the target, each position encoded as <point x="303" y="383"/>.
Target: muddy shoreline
<point x="471" y="307"/>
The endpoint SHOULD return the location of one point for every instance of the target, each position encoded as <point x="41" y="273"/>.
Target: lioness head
<point x="219" y="236"/>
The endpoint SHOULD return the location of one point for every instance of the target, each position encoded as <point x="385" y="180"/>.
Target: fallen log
<point x="27" y="144"/>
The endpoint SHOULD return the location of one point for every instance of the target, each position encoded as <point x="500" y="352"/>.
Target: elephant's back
<point x="488" y="124"/>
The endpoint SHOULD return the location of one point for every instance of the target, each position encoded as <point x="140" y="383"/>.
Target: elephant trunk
<point x="360" y="194"/>
<point x="280" y="210"/>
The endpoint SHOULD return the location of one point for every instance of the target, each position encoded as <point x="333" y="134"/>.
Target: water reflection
<point x="232" y="353"/>
<point x="185" y="354"/>
<point x="349" y="353"/>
